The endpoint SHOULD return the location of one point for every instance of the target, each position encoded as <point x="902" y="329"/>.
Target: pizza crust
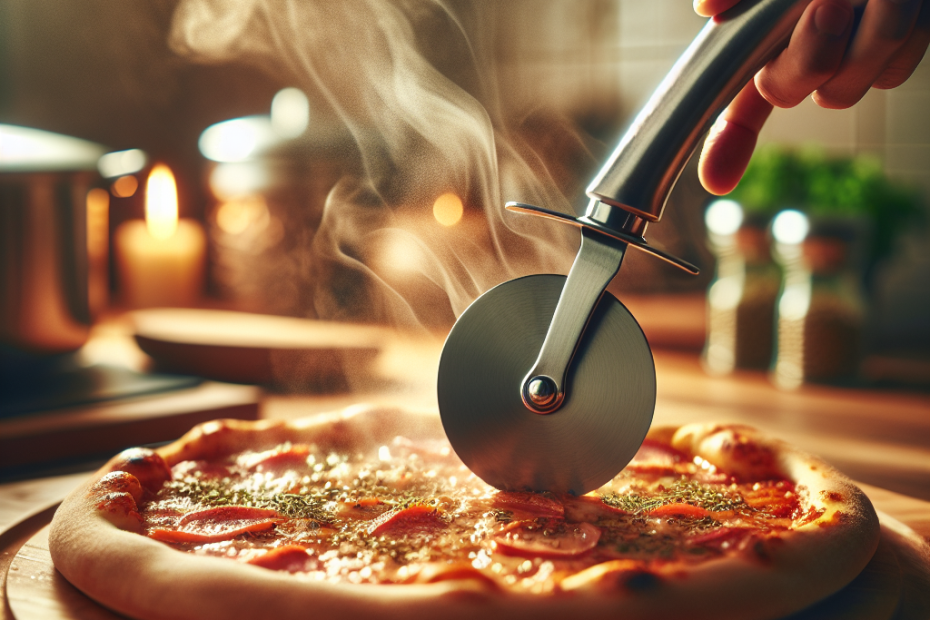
<point x="94" y="543"/>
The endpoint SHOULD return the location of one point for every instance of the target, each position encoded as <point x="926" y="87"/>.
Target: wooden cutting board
<point x="36" y="590"/>
<point x="100" y="430"/>
<point x="894" y="585"/>
<point x="290" y="353"/>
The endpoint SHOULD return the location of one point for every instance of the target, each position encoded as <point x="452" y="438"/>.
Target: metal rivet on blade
<point x="542" y="392"/>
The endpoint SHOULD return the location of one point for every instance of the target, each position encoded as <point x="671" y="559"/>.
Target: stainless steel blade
<point x="608" y="405"/>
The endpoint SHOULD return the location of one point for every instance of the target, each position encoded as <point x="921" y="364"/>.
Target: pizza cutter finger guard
<point x="547" y="383"/>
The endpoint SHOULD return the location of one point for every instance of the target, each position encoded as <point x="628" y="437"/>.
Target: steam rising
<point x="420" y="134"/>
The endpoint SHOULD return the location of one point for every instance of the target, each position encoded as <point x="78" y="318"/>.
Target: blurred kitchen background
<point x="347" y="163"/>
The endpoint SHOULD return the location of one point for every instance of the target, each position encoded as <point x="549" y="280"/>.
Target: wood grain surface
<point x="21" y="500"/>
<point x="36" y="590"/>
<point x="241" y="347"/>
<point x="108" y="427"/>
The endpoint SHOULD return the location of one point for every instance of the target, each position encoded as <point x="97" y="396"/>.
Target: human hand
<point x="824" y="58"/>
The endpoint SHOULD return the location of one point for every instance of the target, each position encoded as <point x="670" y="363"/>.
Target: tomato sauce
<point x="405" y="512"/>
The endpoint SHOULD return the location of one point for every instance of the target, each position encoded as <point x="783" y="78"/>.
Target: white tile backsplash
<point x="638" y="79"/>
<point x="808" y="123"/>
<point x="657" y="23"/>
<point x="908" y="117"/>
<point x="911" y="158"/>
<point x="870" y="131"/>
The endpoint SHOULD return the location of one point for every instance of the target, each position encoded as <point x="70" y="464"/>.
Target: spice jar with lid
<point x="741" y="299"/>
<point x="821" y="309"/>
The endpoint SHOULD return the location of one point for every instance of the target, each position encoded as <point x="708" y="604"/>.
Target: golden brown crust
<point x="148" y="467"/>
<point x="98" y="552"/>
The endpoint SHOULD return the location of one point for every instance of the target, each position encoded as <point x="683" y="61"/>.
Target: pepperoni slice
<point x="363" y="510"/>
<point x="722" y="538"/>
<point x="408" y="520"/>
<point x="216" y="524"/>
<point x="366" y="502"/>
<point x="290" y="558"/>
<point x="679" y="510"/>
<point x="777" y="498"/>
<point x="548" y="538"/>
<point x="588" y="508"/>
<point x="533" y="503"/>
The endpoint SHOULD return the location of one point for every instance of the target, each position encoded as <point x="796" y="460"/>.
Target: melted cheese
<point x="409" y="512"/>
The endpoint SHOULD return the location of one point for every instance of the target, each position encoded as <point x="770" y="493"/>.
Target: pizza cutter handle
<point x="631" y="189"/>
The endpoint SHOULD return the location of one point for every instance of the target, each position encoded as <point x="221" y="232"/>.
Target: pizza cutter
<point x="546" y="382"/>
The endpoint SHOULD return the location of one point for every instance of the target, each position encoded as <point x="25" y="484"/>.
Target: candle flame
<point x="161" y="202"/>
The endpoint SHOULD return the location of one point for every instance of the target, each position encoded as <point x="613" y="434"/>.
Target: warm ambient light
<point x="124" y="187"/>
<point x="98" y="222"/>
<point x="448" y="209"/>
<point x="98" y="246"/>
<point x="23" y="149"/>
<point x="120" y="163"/>
<point x="229" y="181"/>
<point x="237" y="139"/>
<point x="290" y="113"/>
<point x="790" y="227"/>
<point x="238" y="215"/>
<point x="161" y="203"/>
<point x="399" y="252"/>
<point x="723" y="217"/>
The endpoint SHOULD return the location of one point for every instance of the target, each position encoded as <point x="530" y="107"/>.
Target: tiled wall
<point x="581" y="54"/>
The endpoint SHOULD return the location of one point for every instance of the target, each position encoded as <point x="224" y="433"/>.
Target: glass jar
<point x="741" y="299"/>
<point x="821" y="308"/>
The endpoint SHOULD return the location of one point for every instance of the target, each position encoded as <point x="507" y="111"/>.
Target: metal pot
<point x="44" y="180"/>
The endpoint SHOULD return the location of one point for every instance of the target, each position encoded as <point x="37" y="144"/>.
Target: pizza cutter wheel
<point x="604" y="416"/>
<point x="546" y="383"/>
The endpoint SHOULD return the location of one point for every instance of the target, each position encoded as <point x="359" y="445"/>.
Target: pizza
<point x="369" y="513"/>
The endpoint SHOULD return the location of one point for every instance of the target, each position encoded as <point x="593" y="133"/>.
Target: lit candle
<point x="161" y="259"/>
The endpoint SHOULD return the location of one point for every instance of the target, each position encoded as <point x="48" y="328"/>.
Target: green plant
<point x="820" y="185"/>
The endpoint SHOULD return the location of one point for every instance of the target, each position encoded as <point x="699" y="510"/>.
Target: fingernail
<point x="831" y="20"/>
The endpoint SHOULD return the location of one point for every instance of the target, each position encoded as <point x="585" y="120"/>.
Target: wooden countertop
<point x="878" y="438"/>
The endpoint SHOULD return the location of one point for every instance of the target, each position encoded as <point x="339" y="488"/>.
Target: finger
<point x="731" y="140"/>
<point x="709" y="8"/>
<point x="813" y="55"/>
<point x="907" y="58"/>
<point x="885" y="27"/>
